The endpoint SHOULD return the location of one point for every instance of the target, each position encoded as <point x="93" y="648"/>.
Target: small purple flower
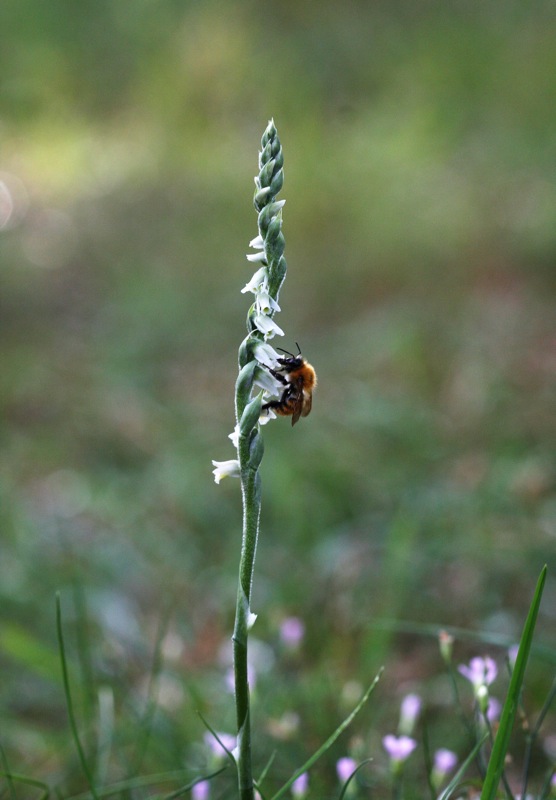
<point x="300" y="786"/>
<point x="399" y="748"/>
<point x="201" y="791"/>
<point x="494" y="709"/>
<point x="292" y="631"/>
<point x="227" y="739"/>
<point x="345" y="767"/>
<point x="512" y="654"/>
<point x="480" y="672"/>
<point x="444" y="763"/>
<point x="410" y="708"/>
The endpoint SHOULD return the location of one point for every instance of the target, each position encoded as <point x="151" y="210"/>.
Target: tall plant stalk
<point x="254" y="352"/>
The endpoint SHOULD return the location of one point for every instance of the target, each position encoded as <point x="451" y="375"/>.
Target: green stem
<point x="250" y="484"/>
<point x="250" y="444"/>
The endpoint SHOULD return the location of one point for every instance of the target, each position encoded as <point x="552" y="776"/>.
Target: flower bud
<point x="250" y="415"/>
<point x="256" y="449"/>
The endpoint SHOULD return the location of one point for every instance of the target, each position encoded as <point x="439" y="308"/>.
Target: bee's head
<point x="293" y="362"/>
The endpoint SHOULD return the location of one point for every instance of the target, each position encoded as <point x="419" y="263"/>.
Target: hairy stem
<point x="250" y="444"/>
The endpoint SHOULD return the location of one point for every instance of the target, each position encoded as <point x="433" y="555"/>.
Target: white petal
<point x="264" y="379"/>
<point x="234" y="436"/>
<point x="257" y="282"/>
<point x="267" y="326"/>
<point x="257" y="242"/>
<point x="266" y="354"/>
<point x="265" y="303"/>
<point x="256" y="256"/>
<point x="225" y="469"/>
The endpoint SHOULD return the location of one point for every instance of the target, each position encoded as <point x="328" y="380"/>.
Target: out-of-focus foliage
<point x="420" y="233"/>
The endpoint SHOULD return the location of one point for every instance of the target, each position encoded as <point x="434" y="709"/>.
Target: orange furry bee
<point x="299" y="379"/>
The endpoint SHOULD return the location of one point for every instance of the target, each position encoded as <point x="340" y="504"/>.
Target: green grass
<point x="419" y="494"/>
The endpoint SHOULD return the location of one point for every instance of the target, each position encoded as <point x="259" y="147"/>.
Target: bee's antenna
<point x="288" y="352"/>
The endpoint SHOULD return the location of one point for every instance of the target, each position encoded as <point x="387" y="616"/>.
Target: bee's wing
<point x="307" y="404"/>
<point x="297" y="400"/>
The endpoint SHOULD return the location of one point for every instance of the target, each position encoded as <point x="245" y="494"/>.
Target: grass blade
<point x="69" y="702"/>
<point x="12" y="776"/>
<point x="461" y="771"/>
<point x="7" y="773"/>
<point x="352" y="776"/>
<point x="498" y="755"/>
<point x="330" y="741"/>
<point x="218" y="739"/>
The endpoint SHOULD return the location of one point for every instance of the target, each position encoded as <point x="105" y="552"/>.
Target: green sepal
<point x="269" y="133"/>
<point x="266" y="173"/>
<point x="261" y="196"/>
<point x="244" y="384"/>
<point x="268" y="213"/>
<point x="273" y="234"/>
<point x="246" y="350"/>
<point x="266" y="152"/>
<point x="250" y="415"/>
<point x="275" y="252"/>
<point x="250" y="321"/>
<point x="276" y="274"/>
<point x="256" y="450"/>
<point x="277" y="181"/>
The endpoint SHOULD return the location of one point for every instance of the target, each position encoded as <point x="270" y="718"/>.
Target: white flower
<point x="265" y="303"/>
<point x="257" y="243"/>
<point x="225" y="469"/>
<point x="264" y="379"/>
<point x="266" y="355"/>
<point x="256" y="256"/>
<point x="234" y="436"/>
<point x="266" y="416"/>
<point x="257" y="283"/>
<point x="267" y="326"/>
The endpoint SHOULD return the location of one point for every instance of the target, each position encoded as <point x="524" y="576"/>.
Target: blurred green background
<point x="420" y="230"/>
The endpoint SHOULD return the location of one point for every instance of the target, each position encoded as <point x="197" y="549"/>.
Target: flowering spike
<point x="257" y="364"/>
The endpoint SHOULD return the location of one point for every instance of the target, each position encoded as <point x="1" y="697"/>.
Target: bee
<point x="299" y="380"/>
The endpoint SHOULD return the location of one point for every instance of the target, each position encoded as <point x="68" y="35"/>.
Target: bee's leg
<point x="272" y="404"/>
<point x="278" y="376"/>
<point x="278" y="403"/>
